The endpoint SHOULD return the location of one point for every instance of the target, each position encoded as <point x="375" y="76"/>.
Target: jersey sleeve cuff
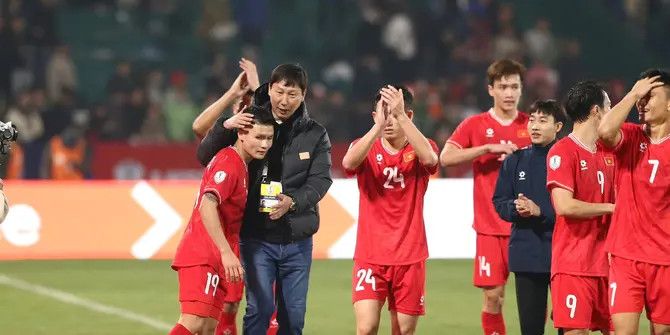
<point x="215" y="192"/>
<point x="620" y="144"/>
<point x="458" y="145"/>
<point x="552" y="183"/>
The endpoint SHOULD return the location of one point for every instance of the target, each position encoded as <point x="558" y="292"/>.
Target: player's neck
<point x="395" y="144"/>
<point x="586" y="133"/>
<point x="658" y="131"/>
<point x="243" y="154"/>
<point x="505" y="115"/>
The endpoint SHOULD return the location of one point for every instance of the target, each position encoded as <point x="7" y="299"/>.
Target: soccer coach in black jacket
<point x="276" y="247"/>
<point x="521" y="197"/>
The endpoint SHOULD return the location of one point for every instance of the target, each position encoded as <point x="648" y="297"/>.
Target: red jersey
<point x="641" y="222"/>
<point x="391" y="230"/>
<point x="578" y="245"/>
<point x="226" y="178"/>
<point x="482" y="129"/>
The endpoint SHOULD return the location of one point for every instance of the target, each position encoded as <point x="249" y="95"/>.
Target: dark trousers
<point x="531" y="296"/>
<point x="285" y="266"/>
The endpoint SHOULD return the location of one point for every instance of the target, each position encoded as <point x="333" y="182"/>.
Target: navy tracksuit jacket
<point x="525" y="171"/>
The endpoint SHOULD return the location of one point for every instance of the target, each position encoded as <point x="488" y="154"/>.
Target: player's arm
<point x="453" y="155"/>
<point x="566" y="205"/>
<point x="210" y="219"/>
<point x="359" y="149"/>
<point x="422" y="148"/>
<point x="610" y="125"/>
<point x="504" y="195"/>
<point x="206" y="119"/>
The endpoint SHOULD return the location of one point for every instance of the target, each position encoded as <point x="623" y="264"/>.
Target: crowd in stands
<point x="440" y="49"/>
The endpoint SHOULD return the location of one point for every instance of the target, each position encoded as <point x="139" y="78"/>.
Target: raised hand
<point x="394" y="99"/>
<point x="249" y="68"/>
<point x="240" y="120"/>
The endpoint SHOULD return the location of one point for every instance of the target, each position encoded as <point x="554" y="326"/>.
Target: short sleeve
<point x="560" y="169"/>
<point x="462" y="136"/>
<point x="220" y="177"/>
<point x="431" y="170"/>
<point x="628" y="132"/>
<point x="351" y="173"/>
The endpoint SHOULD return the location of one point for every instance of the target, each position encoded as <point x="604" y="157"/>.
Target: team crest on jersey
<point x="522" y="133"/>
<point x="408" y="157"/>
<point x="219" y="177"/>
<point x="555" y="162"/>
<point x="522" y="175"/>
<point x="489" y="132"/>
<point x="609" y="161"/>
<point x="582" y="164"/>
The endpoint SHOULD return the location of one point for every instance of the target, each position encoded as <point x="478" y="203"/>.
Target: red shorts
<point x="491" y="261"/>
<point x="403" y="285"/>
<point x="634" y="285"/>
<point x="580" y="302"/>
<point x="202" y="290"/>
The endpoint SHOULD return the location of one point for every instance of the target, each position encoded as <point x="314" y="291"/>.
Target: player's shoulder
<point x="563" y="147"/>
<point x="476" y="118"/>
<point x="563" y="144"/>
<point x="522" y="117"/>
<point x="629" y="126"/>
<point x="632" y="129"/>
<point x="227" y="158"/>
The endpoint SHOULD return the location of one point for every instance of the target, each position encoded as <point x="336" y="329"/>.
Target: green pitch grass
<point x="149" y="288"/>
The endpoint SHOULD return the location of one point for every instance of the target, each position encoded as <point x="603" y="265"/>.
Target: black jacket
<point x="525" y="171"/>
<point x="302" y="148"/>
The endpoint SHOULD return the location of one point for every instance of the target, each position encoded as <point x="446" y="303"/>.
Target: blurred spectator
<point x="179" y="109"/>
<point x="507" y="44"/>
<point x="155" y="87"/>
<point x="571" y="66"/>
<point x="136" y="111"/>
<point x="541" y="82"/>
<point x="398" y="36"/>
<point x="67" y="156"/>
<point x="217" y="26"/>
<point x="540" y="42"/>
<point x="24" y="114"/>
<point x="153" y="128"/>
<point x="61" y="73"/>
<point x="121" y="81"/>
<point x="252" y="18"/>
<point x="9" y="58"/>
<point x="21" y="77"/>
<point x="59" y="115"/>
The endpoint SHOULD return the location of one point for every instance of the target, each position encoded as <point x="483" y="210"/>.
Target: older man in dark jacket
<point x="276" y="247"/>
<point x="521" y="197"/>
